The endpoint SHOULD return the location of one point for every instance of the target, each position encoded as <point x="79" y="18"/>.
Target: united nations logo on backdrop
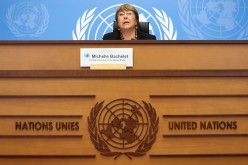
<point x="214" y="19"/>
<point x="123" y="127"/>
<point x="92" y="25"/>
<point x="27" y="19"/>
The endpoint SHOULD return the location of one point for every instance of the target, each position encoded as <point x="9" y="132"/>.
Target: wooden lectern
<point x="183" y="102"/>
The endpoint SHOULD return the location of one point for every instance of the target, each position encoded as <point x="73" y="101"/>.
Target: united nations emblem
<point x="123" y="127"/>
<point x="27" y="19"/>
<point x="91" y="26"/>
<point x="218" y="19"/>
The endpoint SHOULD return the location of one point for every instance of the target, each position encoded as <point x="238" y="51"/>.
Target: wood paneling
<point x="183" y="81"/>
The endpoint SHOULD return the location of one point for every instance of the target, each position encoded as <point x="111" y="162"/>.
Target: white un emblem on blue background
<point x="92" y="27"/>
<point x="81" y="20"/>
<point x="27" y="19"/>
<point x="214" y="19"/>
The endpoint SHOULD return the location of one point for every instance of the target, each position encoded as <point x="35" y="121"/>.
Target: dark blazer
<point x="115" y="35"/>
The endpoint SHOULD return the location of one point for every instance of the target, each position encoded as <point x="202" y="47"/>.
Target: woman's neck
<point x="128" y="34"/>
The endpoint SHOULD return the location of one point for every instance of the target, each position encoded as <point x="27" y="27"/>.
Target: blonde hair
<point x="127" y="7"/>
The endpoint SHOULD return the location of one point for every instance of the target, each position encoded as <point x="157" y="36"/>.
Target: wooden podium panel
<point x="152" y="55"/>
<point x="181" y="103"/>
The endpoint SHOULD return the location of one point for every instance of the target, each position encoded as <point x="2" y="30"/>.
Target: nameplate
<point x="112" y="56"/>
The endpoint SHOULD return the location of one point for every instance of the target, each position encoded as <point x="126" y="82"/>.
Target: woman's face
<point x="126" y="20"/>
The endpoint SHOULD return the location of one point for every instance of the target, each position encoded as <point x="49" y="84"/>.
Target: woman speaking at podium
<point x="127" y="19"/>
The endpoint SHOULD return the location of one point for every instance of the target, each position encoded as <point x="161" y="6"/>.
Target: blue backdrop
<point x="90" y="19"/>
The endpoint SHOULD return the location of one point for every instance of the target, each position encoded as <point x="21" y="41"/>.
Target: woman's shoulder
<point x="115" y="35"/>
<point x="146" y="36"/>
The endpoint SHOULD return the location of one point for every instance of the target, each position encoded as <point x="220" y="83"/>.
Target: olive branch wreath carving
<point x="143" y="147"/>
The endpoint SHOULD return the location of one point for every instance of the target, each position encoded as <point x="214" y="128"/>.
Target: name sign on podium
<point x="106" y="58"/>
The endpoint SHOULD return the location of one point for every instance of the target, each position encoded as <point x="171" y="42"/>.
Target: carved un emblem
<point x="123" y="127"/>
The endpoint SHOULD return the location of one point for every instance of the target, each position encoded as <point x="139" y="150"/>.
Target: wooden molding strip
<point x="203" y="135"/>
<point x="41" y="116"/>
<point x="51" y="42"/>
<point x="205" y="115"/>
<point x="118" y="73"/>
<point x="200" y="155"/>
<point x="47" y="96"/>
<point x="197" y="95"/>
<point x="48" y="156"/>
<point x="41" y="136"/>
